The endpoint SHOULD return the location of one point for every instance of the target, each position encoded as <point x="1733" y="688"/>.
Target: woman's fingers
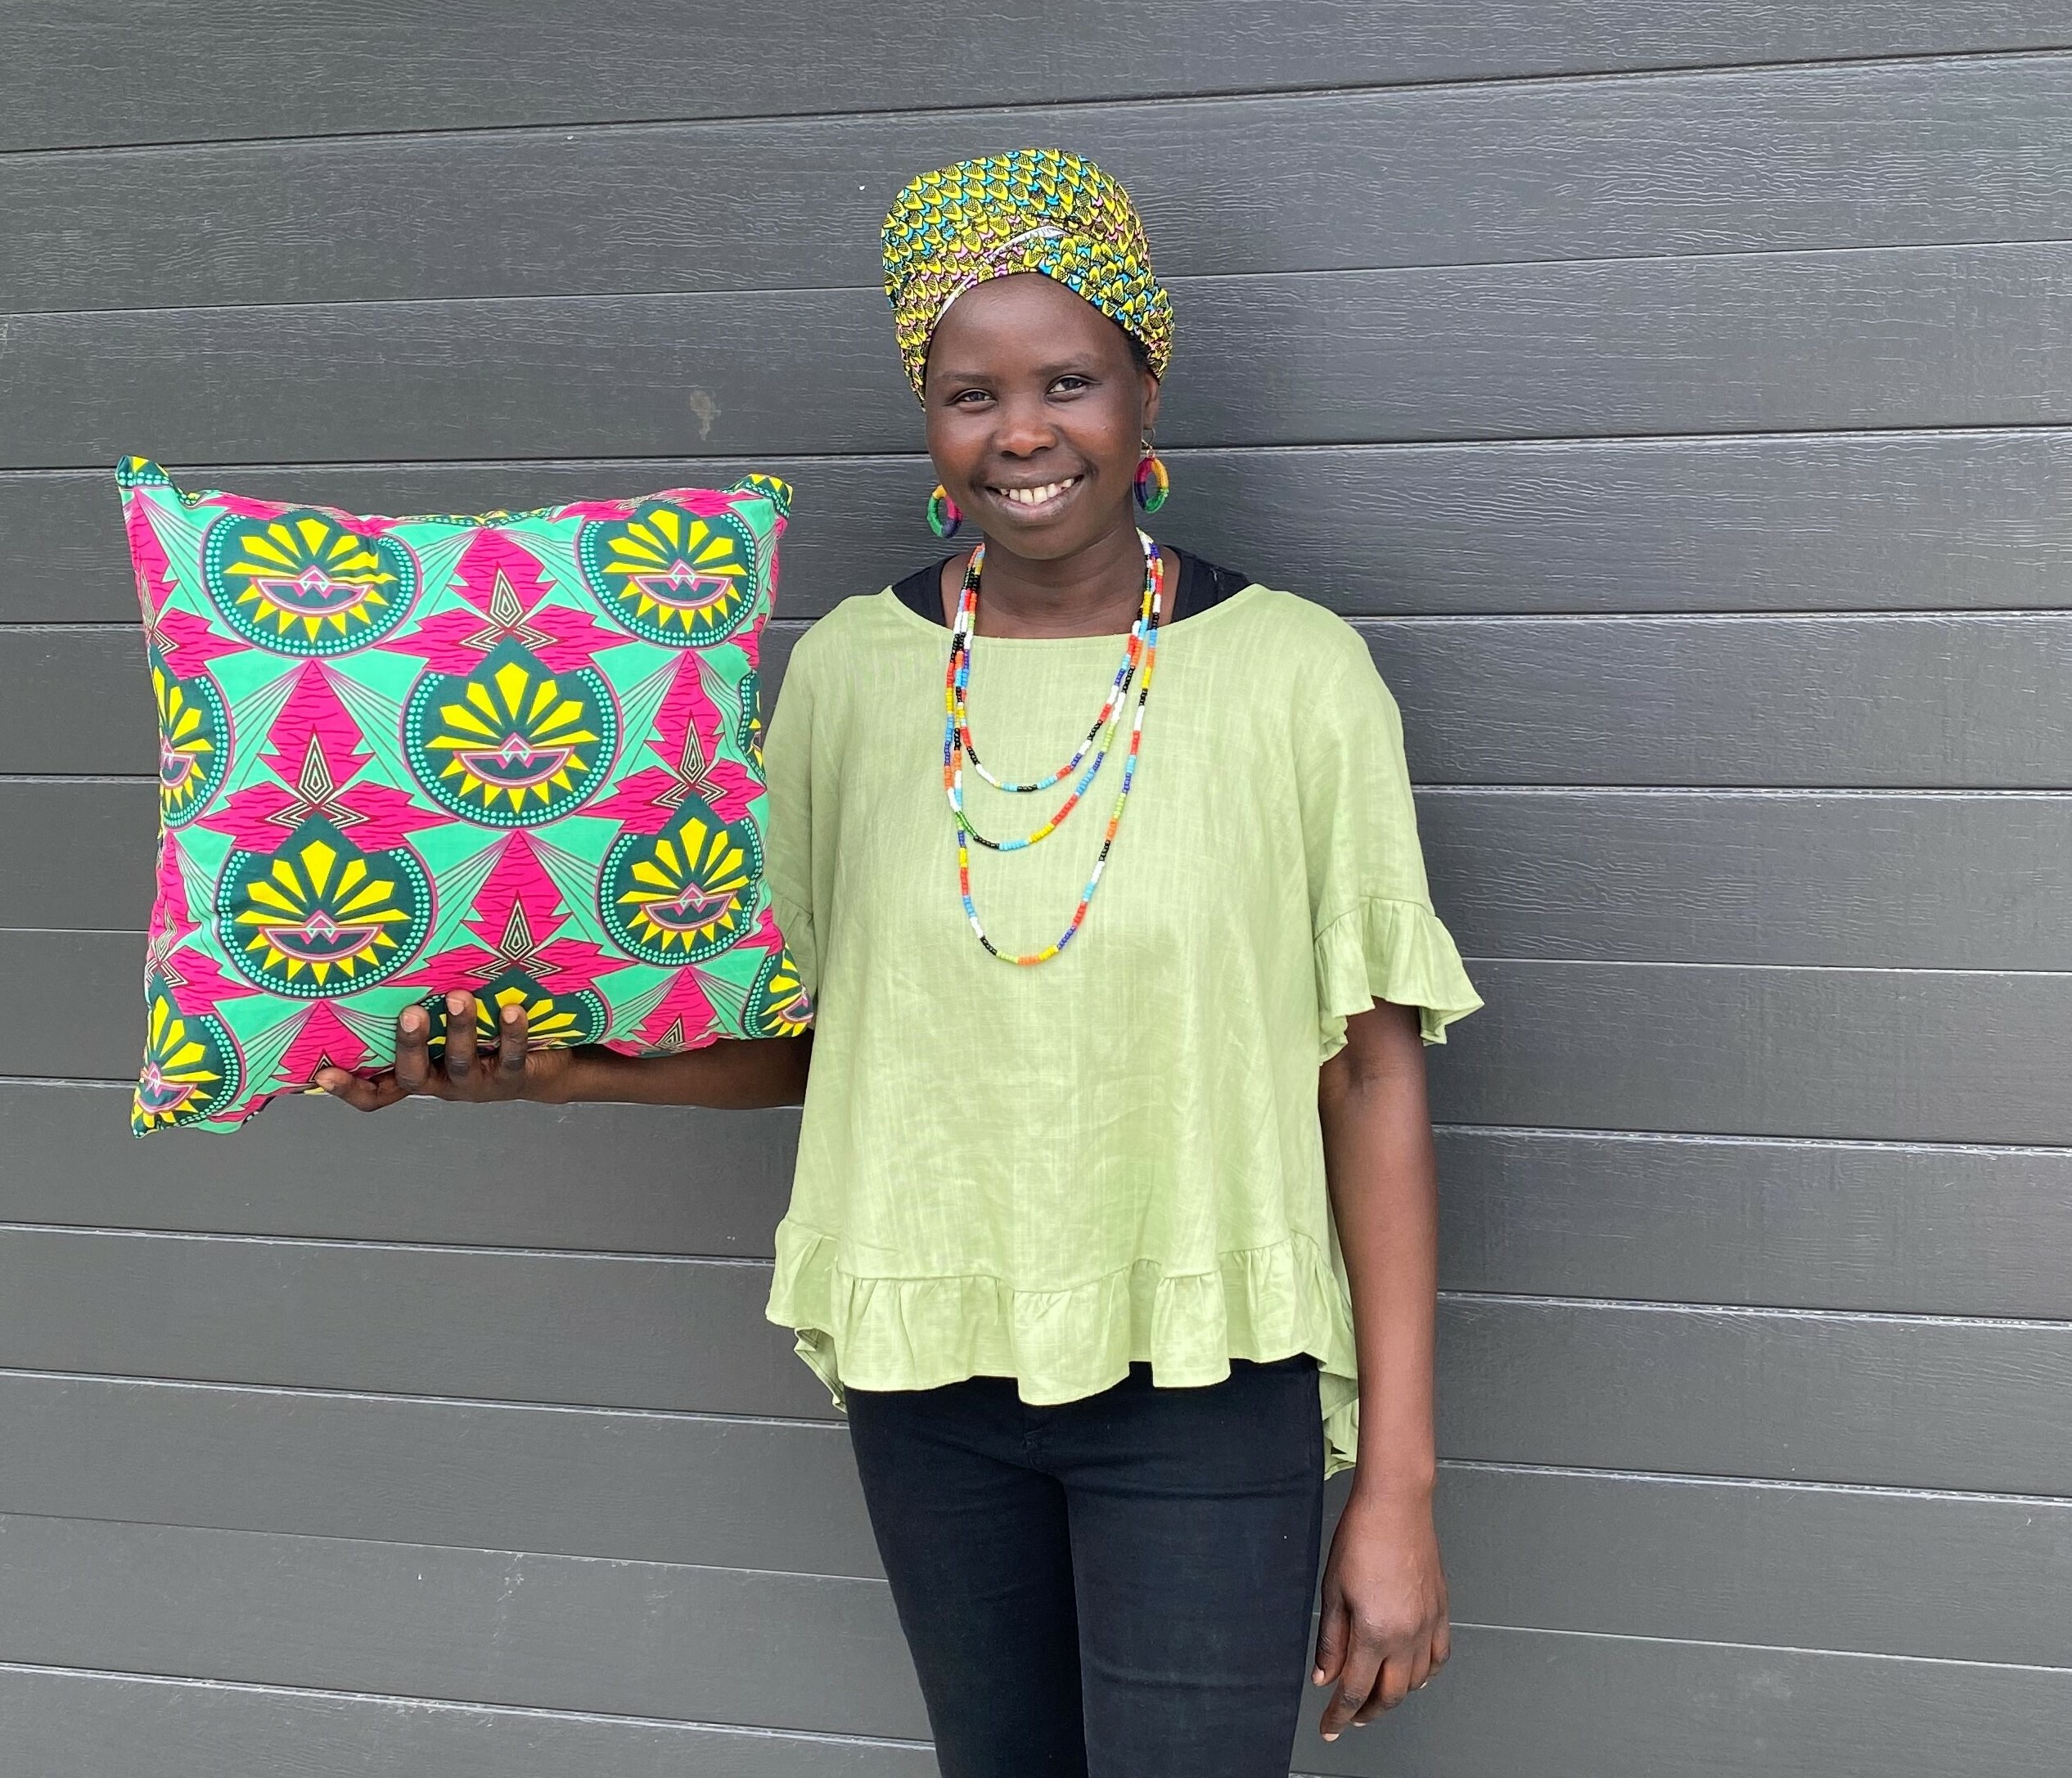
<point x="1332" y="1626"/>
<point x="1358" y="1671"/>
<point x="413" y="1055"/>
<point x="512" y="1044"/>
<point x="361" y="1095"/>
<point x="460" y="1037"/>
<point x="1405" y="1668"/>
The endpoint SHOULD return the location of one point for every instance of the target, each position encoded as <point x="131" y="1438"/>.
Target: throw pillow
<point x="517" y="753"/>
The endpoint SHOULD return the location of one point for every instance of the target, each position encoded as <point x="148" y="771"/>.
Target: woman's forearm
<point x="1384" y="1188"/>
<point x="731" y="1076"/>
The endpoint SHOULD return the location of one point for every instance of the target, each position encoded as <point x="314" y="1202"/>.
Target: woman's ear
<point x="1150" y="402"/>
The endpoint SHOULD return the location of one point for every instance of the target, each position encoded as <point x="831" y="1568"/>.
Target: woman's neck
<point x="1097" y="591"/>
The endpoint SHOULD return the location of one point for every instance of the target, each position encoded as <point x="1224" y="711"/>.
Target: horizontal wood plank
<point x="1518" y="1702"/>
<point x="1861" y="1226"/>
<point x="1850" y="521"/>
<point x="1716" y="1219"/>
<point x="1889" y="1055"/>
<point x="1984" y="1579"/>
<point x="104" y="1725"/>
<point x="1511" y="1701"/>
<point x="1732" y="701"/>
<point x="1674" y="702"/>
<point x="1732" y="342"/>
<point x="1892" y="880"/>
<point x="678" y="1180"/>
<point x="1793" y="1394"/>
<point x="474" y="63"/>
<point x="1883" y="1054"/>
<point x="669" y="1334"/>
<point x="1879" y="155"/>
<point x="486" y="1626"/>
<point x="1787" y="1393"/>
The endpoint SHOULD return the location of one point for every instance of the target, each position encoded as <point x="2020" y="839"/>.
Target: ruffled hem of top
<point x="1260" y="1303"/>
<point x="1384" y="949"/>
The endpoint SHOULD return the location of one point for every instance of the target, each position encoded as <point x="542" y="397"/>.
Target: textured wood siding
<point x="1676" y="400"/>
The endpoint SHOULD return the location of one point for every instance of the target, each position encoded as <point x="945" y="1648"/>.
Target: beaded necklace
<point x="1141" y="648"/>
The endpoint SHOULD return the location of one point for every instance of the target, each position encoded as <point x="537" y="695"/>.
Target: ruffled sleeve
<point x="1376" y="935"/>
<point x="788" y="862"/>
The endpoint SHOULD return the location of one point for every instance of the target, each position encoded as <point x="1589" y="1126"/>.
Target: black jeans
<point x="1116" y="1587"/>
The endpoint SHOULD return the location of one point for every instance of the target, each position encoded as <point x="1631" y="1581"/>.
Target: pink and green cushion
<point x="516" y="753"/>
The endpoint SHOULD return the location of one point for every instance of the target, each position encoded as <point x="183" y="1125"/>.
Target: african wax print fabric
<point x="1036" y="209"/>
<point x="515" y="753"/>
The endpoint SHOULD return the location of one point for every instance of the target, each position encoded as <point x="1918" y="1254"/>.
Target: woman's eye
<point x="966" y="398"/>
<point x="1070" y="385"/>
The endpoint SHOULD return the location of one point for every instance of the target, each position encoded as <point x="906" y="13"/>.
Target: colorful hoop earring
<point x="1153" y="485"/>
<point x="944" y="518"/>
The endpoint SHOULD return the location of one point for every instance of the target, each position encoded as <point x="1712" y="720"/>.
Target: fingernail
<point x="413" y="1019"/>
<point x="1317" y="1678"/>
<point x="1332" y="1736"/>
<point x="456" y="1000"/>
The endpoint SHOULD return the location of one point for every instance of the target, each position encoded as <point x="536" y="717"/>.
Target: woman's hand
<point x="1384" y="1630"/>
<point x="509" y="1069"/>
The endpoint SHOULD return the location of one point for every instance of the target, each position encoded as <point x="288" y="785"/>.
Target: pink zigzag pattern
<point x="509" y="593"/>
<point x="516" y="913"/>
<point x="688" y="728"/>
<point x="316" y="751"/>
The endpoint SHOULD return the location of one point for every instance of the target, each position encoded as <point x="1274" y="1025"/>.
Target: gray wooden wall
<point x="1678" y="396"/>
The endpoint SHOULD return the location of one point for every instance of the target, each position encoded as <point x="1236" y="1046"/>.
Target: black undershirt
<point x="1200" y="584"/>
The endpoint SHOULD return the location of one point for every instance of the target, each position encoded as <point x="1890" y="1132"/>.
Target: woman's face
<point x="1032" y="391"/>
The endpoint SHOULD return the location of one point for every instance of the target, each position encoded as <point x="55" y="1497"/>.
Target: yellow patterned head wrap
<point x="1036" y="209"/>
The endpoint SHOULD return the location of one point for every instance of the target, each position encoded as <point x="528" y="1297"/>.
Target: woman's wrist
<point x="1394" y="1477"/>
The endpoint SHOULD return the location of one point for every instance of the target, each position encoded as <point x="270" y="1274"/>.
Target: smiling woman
<point x="1111" y="1256"/>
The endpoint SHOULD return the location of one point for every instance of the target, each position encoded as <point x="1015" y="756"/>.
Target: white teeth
<point x="1035" y="497"/>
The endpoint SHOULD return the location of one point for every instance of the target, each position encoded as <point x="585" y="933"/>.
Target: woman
<point x="1114" y="1221"/>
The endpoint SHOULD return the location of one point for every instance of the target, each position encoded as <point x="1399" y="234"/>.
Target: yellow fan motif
<point x="319" y="916"/>
<point x="190" y="1066"/>
<point x="684" y="895"/>
<point x="673" y="576"/>
<point x="512" y="744"/>
<point x="305" y="583"/>
<point x="777" y="1005"/>
<point x="192" y="757"/>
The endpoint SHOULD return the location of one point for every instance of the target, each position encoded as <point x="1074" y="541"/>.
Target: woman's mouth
<point x="1036" y="501"/>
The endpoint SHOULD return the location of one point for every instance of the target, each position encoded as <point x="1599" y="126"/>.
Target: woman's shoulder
<point x="862" y="619"/>
<point x="1279" y="629"/>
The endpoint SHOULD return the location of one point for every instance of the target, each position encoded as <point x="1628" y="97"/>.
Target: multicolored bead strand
<point x="1143" y="645"/>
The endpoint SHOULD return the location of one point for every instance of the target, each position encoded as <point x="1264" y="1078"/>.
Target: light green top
<point x="1046" y="1172"/>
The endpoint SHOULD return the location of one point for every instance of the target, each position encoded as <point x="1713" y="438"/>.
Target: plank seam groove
<point x="503" y="1404"/>
<point x="412" y="1699"/>
<point x="1187" y="282"/>
<point x="1879" y="970"/>
<point x="1136" y="101"/>
<point x="1752" y="1648"/>
<point x="1535" y="1299"/>
<point x="1583" y="1133"/>
<point x="735" y="1262"/>
<point x="1779" y="1483"/>
<point x="1730" y="789"/>
<point x="1753" y="1311"/>
<point x="1449" y="442"/>
<point x="471" y="1548"/>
